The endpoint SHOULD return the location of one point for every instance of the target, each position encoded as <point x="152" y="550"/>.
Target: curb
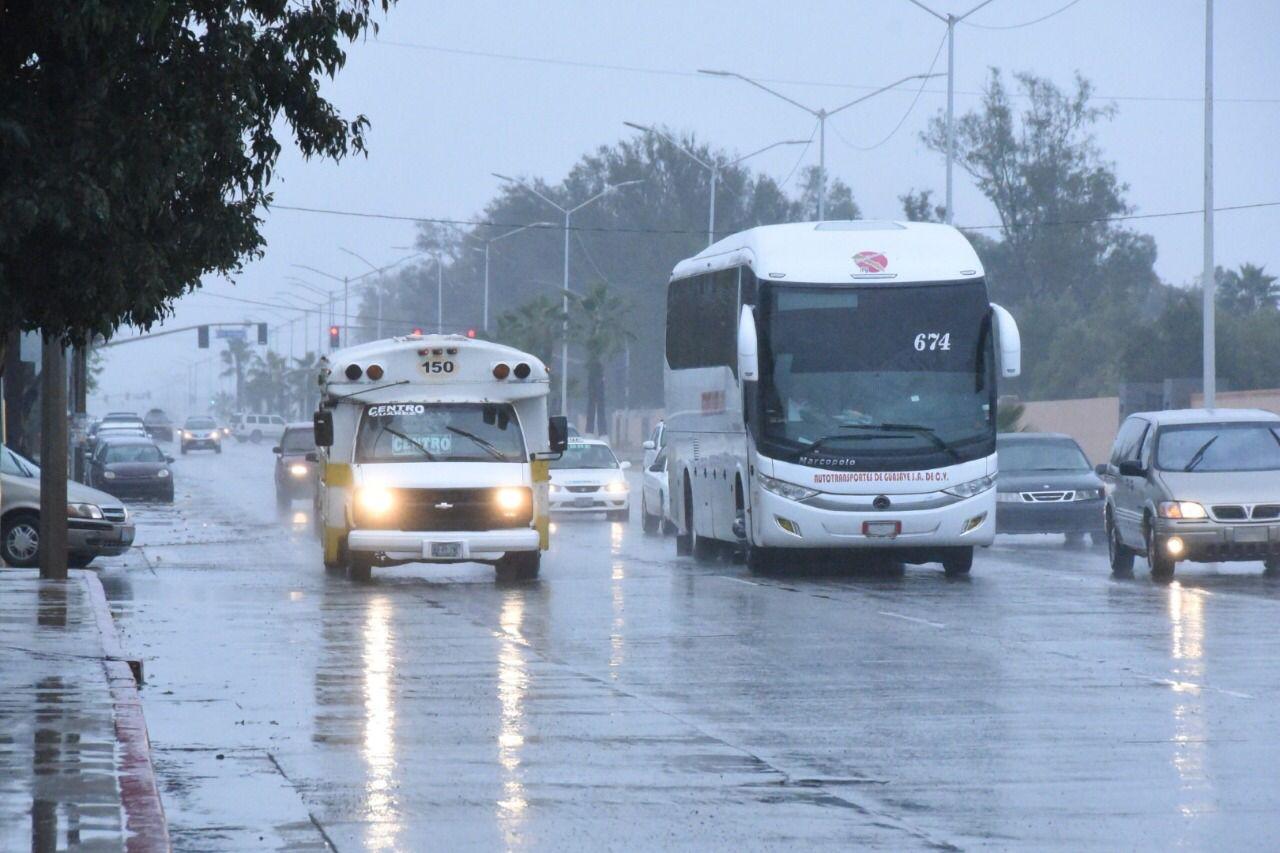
<point x="145" y="824"/>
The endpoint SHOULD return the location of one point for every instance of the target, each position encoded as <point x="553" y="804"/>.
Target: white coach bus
<point x="434" y="449"/>
<point x="833" y="386"/>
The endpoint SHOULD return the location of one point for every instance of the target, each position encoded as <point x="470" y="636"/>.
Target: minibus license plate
<point x="881" y="529"/>
<point x="446" y="549"/>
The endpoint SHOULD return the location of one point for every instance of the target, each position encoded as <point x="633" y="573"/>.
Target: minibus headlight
<point x="375" y="499"/>
<point x="973" y="487"/>
<point x="783" y="489"/>
<point x="511" y="498"/>
<point x="1182" y="509"/>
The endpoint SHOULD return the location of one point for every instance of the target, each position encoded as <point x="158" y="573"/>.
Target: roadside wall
<point x="1265" y="398"/>
<point x="1091" y="422"/>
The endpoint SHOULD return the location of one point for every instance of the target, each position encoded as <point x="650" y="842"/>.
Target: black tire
<point x="1161" y="566"/>
<point x="650" y="523"/>
<point x="518" y="566"/>
<point x="703" y="549"/>
<point x="21" y="530"/>
<point x="958" y="562"/>
<point x="684" y="538"/>
<point x="167" y="497"/>
<point x="761" y="561"/>
<point x="1120" y="555"/>
<point x="217" y="448"/>
<point x="360" y="567"/>
<point x="623" y="515"/>
<point x="668" y="529"/>
<point x="256" y="436"/>
<point x="79" y="561"/>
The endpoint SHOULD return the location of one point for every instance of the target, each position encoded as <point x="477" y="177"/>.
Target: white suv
<point x="255" y="428"/>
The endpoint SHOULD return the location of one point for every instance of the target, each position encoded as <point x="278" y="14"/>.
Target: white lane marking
<point x="915" y="619"/>
<point x="739" y="580"/>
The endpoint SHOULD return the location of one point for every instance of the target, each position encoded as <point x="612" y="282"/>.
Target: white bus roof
<point x="406" y="372"/>
<point x="841" y="252"/>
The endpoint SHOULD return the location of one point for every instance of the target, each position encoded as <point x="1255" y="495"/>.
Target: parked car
<point x="254" y="428"/>
<point x="655" y="509"/>
<point x="589" y="478"/>
<point x="1046" y="485"/>
<point x="98" y="524"/>
<point x="133" y="467"/>
<point x="201" y="431"/>
<point x="158" y="425"/>
<point x="117" y="428"/>
<point x="1194" y="485"/>
<point x="296" y="466"/>
<point x="654" y="443"/>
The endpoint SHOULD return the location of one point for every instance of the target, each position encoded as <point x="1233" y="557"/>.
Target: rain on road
<point x="632" y="699"/>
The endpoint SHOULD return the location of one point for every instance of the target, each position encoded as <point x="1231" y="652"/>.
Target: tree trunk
<point x="595" y="397"/>
<point x="53" y="460"/>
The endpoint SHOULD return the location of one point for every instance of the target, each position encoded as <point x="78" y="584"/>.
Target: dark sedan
<point x="132" y="467"/>
<point x="1045" y="485"/>
<point x="295" y="473"/>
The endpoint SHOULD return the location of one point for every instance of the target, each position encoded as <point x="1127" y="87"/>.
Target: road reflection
<point x="513" y="684"/>
<point x="1186" y="618"/>
<point x="378" y="748"/>
<point x="617" y="598"/>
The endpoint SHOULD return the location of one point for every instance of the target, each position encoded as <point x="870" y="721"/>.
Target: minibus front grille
<point x="436" y="510"/>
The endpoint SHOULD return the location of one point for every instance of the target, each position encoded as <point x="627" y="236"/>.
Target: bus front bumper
<point x="443" y="546"/>
<point x="783" y="523"/>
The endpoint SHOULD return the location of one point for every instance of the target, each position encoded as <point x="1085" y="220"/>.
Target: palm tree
<point x="1249" y="289"/>
<point x="268" y="382"/>
<point x="235" y="360"/>
<point x="598" y="322"/>
<point x="302" y="383"/>
<point x="537" y="328"/>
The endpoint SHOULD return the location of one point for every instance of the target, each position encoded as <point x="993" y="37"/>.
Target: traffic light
<point x="202" y="337"/>
<point x="334" y="332"/>
<point x="417" y="330"/>
<point x="471" y="333"/>
<point x="262" y="334"/>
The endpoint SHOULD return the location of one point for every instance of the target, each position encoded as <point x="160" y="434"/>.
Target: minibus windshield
<point x="439" y="432"/>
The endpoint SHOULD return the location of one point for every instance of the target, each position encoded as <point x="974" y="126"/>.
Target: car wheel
<point x="958" y="562"/>
<point x="1271" y="565"/>
<point x="256" y="436"/>
<point x="1160" y="564"/>
<point x="684" y="538"/>
<point x="518" y="566"/>
<point x="167" y="497"/>
<point x="1121" y="556"/>
<point x="20" y="539"/>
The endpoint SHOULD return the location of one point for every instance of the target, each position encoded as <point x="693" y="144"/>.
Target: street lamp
<point x="568" y="214"/>
<point x="822" y="115"/>
<point x="379" y="270"/>
<point x="950" y="21"/>
<point x="317" y="307"/>
<point x="1209" y="284"/>
<point x="714" y="167"/>
<point x="487" y="243"/>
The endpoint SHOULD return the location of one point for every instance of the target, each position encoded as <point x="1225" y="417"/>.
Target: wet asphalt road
<point x="630" y="699"/>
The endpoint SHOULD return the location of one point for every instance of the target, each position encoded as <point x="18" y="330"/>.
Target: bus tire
<point x="684" y="538"/>
<point x="518" y="566"/>
<point x="704" y="549"/>
<point x="958" y="562"/>
<point x="360" y="567"/>
<point x="761" y="561"/>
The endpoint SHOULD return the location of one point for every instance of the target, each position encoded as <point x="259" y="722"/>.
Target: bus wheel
<point x="958" y="563"/>
<point x="360" y="567"/>
<point x="684" y="538"/>
<point x="761" y="561"/>
<point x="518" y="566"/>
<point x="704" y="549"/>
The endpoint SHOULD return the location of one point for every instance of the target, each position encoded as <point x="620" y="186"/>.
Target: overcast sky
<point x="447" y="109"/>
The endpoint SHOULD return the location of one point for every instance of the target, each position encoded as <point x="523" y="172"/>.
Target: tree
<point x="598" y="322"/>
<point x="1073" y="277"/>
<point x="235" y="360"/>
<point x="268" y="382"/>
<point x="1247" y="290"/>
<point x="536" y="327"/>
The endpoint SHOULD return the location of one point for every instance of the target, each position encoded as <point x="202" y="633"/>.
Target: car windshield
<point x="298" y="441"/>
<point x="1219" y="447"/>
<point x="1041" y="456"/>
<point x="201" y="423"/>
<point x="439" y="432"/>
<point x="131" y="453"/>
<point x="879" y="377"/>
<point x="16" y="466"/>
<point x="579" y="455"/>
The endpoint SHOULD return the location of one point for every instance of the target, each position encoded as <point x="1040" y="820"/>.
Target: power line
<point x="937" y="53"/>
<point x="1129" y="217"/>
<point x="800" y="159"/>
<point x="1024" y="23"/>
<point x="675" y="72"/>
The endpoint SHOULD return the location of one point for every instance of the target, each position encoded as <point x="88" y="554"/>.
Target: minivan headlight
<point x="1181" y="509"/>
<point x="973" y="487"/>
<point x="783" y="489"/>
<point x="84" y="511"/>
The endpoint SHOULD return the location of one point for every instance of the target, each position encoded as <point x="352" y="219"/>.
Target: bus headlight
<point x="973" y="487"/>
<point x="297" y="469"/>
<point x="783" y="489"/>
<point x="375" y="499"/>
<point x="616" y="487"/>
<point x="511" y="498"/>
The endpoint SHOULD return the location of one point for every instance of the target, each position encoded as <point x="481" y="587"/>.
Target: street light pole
<point x="564" y="297"/>
<point x="1209" y="284"/>
<point x="489" y="242"/>
<point x="714" y="167"/>
<point x="950" y="21"/>
<point x="821" y="115"/>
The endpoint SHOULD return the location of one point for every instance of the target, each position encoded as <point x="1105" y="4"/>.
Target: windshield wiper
<point x="484" y="445"/>
<point x="431" y="457"/>
<point x="1198" y="456"/>
<point x="918" y="429"/>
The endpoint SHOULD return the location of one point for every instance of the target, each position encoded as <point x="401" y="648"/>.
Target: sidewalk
<point x="75" y="761"/>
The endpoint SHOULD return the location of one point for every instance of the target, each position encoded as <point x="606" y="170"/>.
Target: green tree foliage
<point x="1074" y="281"/>
<point x="236" y="359"/>
<point x="599" y="322"/>
<point x="137" y="140"/>
<point x="1247" y="289"/>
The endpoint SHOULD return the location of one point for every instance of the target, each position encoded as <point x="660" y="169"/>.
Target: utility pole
<point x="1209" y="284"/>
<point x="53" y="459"/>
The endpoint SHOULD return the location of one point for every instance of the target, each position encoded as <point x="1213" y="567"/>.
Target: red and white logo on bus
<point x="871" y="261"/>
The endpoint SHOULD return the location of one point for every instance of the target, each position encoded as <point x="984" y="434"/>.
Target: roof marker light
<point x="353" y="372"/>
<point x="501" y="370"/>
<point x="374" y="372"/>
<point x="522" y="370"/>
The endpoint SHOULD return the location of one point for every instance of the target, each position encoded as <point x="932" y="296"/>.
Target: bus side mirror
<point x="558" y="433"/>
<point x="748" y="358"/>
<point x="323" y="423"/>
<point x="1010" y="342"/>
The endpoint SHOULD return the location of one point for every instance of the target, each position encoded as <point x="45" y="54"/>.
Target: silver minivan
<point x="1194" y="484"/>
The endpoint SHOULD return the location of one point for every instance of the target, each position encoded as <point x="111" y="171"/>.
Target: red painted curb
<point x="145" y="823"/>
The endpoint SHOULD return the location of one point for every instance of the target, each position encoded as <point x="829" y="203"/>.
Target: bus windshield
<point x="881" y="377"/>
<point x="439" y="432"/>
